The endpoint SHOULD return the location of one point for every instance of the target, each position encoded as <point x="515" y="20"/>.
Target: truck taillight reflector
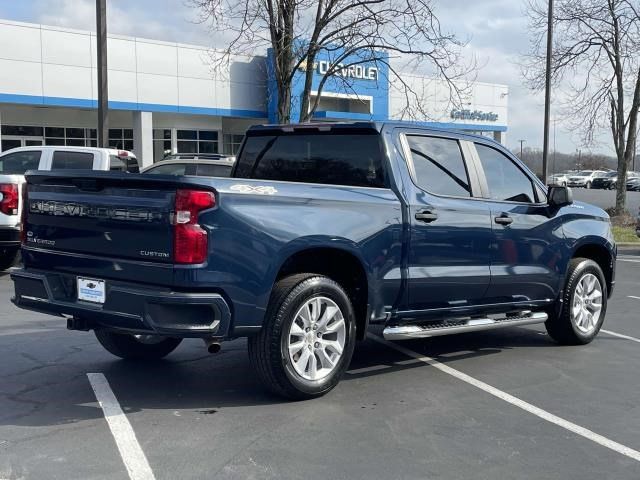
<point x="23" y="216"/>
<point x="9" y="202"/>
<point x="190" y="242"/>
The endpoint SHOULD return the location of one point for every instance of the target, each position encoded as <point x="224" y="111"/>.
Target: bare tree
<point x="596" y="61"/>
<point x="349" y="32"/>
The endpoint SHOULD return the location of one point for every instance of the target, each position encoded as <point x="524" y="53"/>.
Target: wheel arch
<point x="340" y="264"/>
<point x="603" y="256"/>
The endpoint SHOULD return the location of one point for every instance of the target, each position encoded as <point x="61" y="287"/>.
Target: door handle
<point x="504" y="219"/>
<point x="426" y="216"/>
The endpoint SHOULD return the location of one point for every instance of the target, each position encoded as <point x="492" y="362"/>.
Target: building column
<point x="500" y="137"/>
<point x="143" y="137"/>
<point x="0" y="131"/>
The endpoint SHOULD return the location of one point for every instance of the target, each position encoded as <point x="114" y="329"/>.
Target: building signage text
<point x="477" y="115"/>
<point x="360" y="72"/>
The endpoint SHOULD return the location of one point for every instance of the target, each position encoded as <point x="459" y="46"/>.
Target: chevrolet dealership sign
<point x="359" y="72"/>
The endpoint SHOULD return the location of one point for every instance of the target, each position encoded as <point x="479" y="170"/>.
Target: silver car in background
<point x="207" y="165"/>
<point x="584" y="178"/>
<point x="557" y="180"/>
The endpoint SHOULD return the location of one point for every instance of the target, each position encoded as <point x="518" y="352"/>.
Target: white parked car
<point x="584" y="178"/>
<point x="15" y="162"/>
<point x="557" y="180"/>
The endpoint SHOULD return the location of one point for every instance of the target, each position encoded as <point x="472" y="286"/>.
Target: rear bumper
<point x="128" y="307"/>
<point x="9" y="236"/>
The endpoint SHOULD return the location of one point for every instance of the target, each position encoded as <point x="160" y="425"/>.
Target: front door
<point x="450" y="229"/>
<point x="527" y="238"/>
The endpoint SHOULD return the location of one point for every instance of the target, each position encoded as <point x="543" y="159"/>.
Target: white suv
<point x="15" y="162"/>
<point x="584" y="178"/>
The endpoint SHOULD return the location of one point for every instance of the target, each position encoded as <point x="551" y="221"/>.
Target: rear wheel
<point x="584" y="305"/>
<point x="138" y="347"/>
<point x="307" y="339"/>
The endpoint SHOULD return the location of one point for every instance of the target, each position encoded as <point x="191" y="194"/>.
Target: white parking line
<point x="619" y="335"/>
<point x="130" y="451"/>
<point x="633" y="296"/>
<point x="629" y="259"/>
<point x="538" y="412"/>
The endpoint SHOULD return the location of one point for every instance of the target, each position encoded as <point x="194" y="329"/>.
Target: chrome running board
<point x="407" y="332"/>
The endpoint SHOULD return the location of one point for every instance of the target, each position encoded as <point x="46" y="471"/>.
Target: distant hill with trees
<point x="562" y="162"/>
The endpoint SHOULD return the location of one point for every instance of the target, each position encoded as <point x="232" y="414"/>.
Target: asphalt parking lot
<point x="606" y="198"/>
<point x="576" y="412"/>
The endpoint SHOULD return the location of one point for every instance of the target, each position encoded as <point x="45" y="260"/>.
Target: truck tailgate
<point x="117" y="222"/>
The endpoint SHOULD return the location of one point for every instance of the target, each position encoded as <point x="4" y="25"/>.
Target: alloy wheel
<point x="316" y="338"/>
<point x="586" y="306"/>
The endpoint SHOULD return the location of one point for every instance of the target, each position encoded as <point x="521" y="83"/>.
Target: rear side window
<point x="505" y="180"/>
<point x="169" y="169"/>
<point x="20" y="162"/>
<point x="123" y="164"/>
<point x="211" y="170"/>
<point x="65" y="160"/>
<point x="439" y="166"/>
<point x="328" y="158"/>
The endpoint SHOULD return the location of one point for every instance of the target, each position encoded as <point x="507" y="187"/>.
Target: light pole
<point x="521" y="143"/>
<point x="103" y="91"/>
<point x="547" y="94"/>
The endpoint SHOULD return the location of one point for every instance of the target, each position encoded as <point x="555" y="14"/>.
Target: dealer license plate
<point x="91" y="290"/>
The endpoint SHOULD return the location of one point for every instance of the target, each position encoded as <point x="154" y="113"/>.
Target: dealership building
<point x="167" y="97"/>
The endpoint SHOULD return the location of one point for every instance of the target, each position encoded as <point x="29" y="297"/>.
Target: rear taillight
<point x="9" y="202"/>
<point x="190" y="243"/>
<point x="23" y="216"/>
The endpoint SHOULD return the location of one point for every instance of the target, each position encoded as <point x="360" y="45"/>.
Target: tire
<point x="9" y="257"/>
<point x="285" y="373"/>
<point x="127" y="346"/>
<point x="565" y="326"/>
<point x="564" y="184"/>
<point x="587" y="185"/>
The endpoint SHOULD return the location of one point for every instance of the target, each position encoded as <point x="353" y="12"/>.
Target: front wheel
<point x="583" y="307"/>
<point x="136" y="347"/>
<point x="307" y="339"/>
<point x="588" y="185"/>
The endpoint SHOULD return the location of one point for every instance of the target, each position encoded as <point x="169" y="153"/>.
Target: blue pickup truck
<point x="321" y="231"/>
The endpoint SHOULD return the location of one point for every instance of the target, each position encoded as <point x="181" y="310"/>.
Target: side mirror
<point x="560" y="196"/>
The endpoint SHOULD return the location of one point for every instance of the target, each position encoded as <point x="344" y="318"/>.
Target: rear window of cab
<point x="323" y="158"/>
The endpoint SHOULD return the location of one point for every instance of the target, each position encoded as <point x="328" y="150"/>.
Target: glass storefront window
<point x="197" y="141"/>
<point x="161" y="143"/>
<point x="232" y="143"/>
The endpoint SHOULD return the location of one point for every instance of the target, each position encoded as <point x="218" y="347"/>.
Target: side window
<point x="20" y="162"/>
<point x="67" y="160"/>
<point x="212" y="170"/>
<point x="505" y="180"/>
<point x="439" y="166"/>
<point x="168" y="169"/>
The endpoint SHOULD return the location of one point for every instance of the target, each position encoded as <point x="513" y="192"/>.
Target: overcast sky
<point x="495" y="29"/>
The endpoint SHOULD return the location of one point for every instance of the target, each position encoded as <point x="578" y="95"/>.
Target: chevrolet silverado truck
<point x="322" y="231"/>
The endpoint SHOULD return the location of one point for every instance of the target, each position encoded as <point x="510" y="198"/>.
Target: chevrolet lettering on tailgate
<point x="69" y="209"/>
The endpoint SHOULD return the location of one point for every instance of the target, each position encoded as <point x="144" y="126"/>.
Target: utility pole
<point x="103" y="91"/>
<point x="547" y="93"/>
<point x="521" y="143"/>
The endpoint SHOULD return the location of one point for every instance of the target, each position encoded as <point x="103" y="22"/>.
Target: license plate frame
<point x="91" y="290"/>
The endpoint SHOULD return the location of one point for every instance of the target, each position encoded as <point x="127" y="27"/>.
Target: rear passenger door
<point x="450" y="233"/>
<point x="526" y="236"/>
